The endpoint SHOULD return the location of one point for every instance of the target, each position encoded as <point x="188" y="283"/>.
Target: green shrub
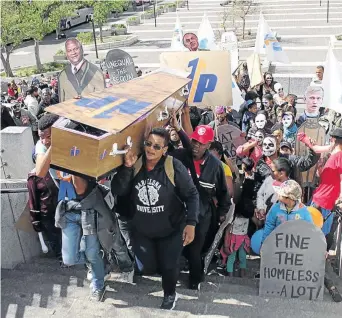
<point x="85" y="37"/>
<point x="132" y="19"/>
<point x="149" y="11"/>
<point x="60" y="52"/>
<point x="119" y="26"/>
<point x="339" y="37"/>
<point x="171" y="5"/>
<point x="48" y="67"/>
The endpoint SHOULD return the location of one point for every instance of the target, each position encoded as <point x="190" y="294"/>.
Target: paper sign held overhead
<point x="210" y="76"/>
<point x="177" y="37"/>
<point x="254" y="70"/>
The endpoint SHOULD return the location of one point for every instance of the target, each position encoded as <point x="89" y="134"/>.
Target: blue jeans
<point x="328" y="222"/>
<point x="76" y="249"/>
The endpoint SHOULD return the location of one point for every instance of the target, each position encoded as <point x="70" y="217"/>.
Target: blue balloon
<point x="256" y="241"/>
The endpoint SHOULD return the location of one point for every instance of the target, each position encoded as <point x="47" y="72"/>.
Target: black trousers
<point x="160" y="255"/>
<point x="193" y="252"/>
<point x="53" y="234"/>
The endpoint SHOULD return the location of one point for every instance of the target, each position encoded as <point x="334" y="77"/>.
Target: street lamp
<point x="154" y="12"/>
<point x="328" y="4"/>
<point x="97" y="54"/>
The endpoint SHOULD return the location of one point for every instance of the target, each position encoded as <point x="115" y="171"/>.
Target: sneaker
<point x="169" y="302"/>
<point x="97" y="294"/>
<point x="336" y="296"/>
<point x="90" y="277"/>
<point x="128" y="276"/>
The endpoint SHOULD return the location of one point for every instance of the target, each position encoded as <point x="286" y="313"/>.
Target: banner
<point x="237" y="96"/>
<point x="229" y="43"/>
<point x="206" y="36"/>
<point x="332" y="83"/>
<point x="266" y="43"/>
<point x="230" y="138"/>
<point x="177" y="37"/>
<point x="254" y="70"/>
<point x="210" y="74"/>
<point x="120" y="66"/>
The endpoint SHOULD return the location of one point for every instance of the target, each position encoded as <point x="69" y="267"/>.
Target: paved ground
<point x="301" y="24"/>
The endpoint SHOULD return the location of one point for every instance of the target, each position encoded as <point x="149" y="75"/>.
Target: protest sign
<point x="206" y="36"/>
<point x="230" y="138"/>
<point x="211" y="83"/>
<point x="120" y="66"/>
<point x="254" y="70"/>
<point x="293" y="262"/>
<point x="229" y="43"/>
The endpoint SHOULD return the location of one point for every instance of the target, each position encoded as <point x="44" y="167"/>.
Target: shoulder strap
<point x="137" y="166"/>
<point x="169" y="169"/>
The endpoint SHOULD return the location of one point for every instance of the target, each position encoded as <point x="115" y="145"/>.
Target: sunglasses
<point x="149" y="144"/>
<point x="269" y="78"/>
<point x="280" y="89"/>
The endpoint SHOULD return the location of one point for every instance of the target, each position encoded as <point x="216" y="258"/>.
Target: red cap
<point x="203" y="134"/>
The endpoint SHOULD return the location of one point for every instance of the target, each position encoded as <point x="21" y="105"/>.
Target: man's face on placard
<point x="313" y="102"/>
<point x="74" y="52"/>
<point x="190" y="41"/>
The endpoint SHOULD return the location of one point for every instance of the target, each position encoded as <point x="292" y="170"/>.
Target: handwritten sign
<point x="120" y="66"/>
<point x="230" y="138"/>
<point x="293" y="262"/>
<point x="211" y="83"/>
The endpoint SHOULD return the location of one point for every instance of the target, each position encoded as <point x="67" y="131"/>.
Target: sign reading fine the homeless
<point x="293" y="262"/>
<point x="120" y="66"/>
<point x="210" y="75"/>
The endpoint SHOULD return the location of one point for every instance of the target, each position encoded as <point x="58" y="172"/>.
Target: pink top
<point x="255" y="155"/>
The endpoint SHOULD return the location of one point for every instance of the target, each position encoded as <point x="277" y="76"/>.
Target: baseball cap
<point x="285" y="144"/>
<point x="203" y="134"/>
<point x="337" y="132"/>
<point x="290" y="189"/>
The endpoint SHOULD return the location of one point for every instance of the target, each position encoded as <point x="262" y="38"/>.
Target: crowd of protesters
<point x="170" y="202"/>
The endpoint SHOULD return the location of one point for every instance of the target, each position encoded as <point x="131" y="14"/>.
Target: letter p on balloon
<point x="201" y="83"/>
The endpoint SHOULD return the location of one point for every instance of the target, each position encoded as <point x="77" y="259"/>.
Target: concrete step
<point x="15" y="311"/>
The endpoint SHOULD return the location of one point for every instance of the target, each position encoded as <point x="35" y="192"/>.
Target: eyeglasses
<point x="149" y="144"/>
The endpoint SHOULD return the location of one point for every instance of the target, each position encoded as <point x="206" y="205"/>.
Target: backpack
<point x="168" y="165"/>
<point x="195" y="116"/>
<point x="207" y="117"/>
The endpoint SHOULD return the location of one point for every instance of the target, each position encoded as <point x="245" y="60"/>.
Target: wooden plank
<point x="117" y="107"/>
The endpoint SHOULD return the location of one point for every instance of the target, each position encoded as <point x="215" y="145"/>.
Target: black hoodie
<point x="158" y="205"/>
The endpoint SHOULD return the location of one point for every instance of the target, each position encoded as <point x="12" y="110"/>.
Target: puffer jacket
<point x="299" y="164"/>
<point x="278" y="215"/>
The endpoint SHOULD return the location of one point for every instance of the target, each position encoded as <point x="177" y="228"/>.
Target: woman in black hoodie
<point x="165" y="206"/>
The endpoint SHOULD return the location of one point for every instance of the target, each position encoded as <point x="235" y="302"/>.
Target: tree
<point x="11" y="35"/>
<point x="238" y="9"/>
<point x="241" y="8"/>
<point x="103" y="8"/>
<point x="39" y="18"/>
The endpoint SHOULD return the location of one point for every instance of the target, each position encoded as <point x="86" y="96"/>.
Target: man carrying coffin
<point x="80" y="76"/>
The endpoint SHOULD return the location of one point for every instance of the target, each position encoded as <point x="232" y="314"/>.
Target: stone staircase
<point x="41" y="289"/>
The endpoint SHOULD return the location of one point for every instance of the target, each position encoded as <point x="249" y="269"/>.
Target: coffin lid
<point x="117" y="107"/>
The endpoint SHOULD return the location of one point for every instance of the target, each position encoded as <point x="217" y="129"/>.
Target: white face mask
<point x="287" y="121"/>
<point x="269" y="146"/>
<point x="259" y="136"/>
<point x="260" y="121"/>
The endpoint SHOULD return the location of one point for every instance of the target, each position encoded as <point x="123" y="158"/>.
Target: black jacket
<point x="210" y="184"/>
<point x="299" y="164"/>
<point x="158" y="205"/>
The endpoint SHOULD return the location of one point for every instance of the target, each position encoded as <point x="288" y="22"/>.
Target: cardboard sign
<point x="211" y="82"/>
<point x="81" y="76"/>
<point x="316" y="132"/>
<point x="230" y="138"/>
<point x="254" y="70"/>
<point x="120" y="66"/>
<point x="229" y="43"/>
<point x="293" y="262"/>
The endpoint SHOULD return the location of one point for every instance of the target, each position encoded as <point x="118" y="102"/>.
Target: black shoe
<point x="257" y="276"/>
<point x="97" y="294"/>
<point x="169" y="302"/>
<point x="335" y="294"/>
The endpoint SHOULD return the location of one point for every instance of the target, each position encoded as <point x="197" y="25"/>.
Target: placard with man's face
<point x="190" y="41"/>
<point x="313" y="100"/>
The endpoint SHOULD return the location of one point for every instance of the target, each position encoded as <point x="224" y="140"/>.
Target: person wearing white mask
<point x="290" y="128"/>
<point x="279" y="96"/>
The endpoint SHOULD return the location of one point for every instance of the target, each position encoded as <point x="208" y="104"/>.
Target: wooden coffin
<point x="129" y="109"/>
